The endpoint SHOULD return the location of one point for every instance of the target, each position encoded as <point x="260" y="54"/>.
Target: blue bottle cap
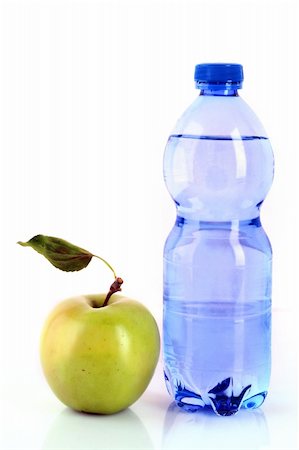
<point x="217" y="74"/>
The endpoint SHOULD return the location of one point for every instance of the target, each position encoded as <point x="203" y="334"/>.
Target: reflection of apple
<point x="99" y="359"/>
<point x="74" y="431"/>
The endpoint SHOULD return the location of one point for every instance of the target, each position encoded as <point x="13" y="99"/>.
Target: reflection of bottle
<point x="218" y="168"/>
<point x="194" y="431"/>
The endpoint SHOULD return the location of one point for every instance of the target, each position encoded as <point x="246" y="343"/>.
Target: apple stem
<point x="115" y="287"/>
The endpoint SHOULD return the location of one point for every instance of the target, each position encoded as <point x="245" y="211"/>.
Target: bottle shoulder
<point x="219" y="116"/>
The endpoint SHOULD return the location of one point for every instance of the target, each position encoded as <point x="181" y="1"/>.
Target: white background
<point x="90" y="91"/>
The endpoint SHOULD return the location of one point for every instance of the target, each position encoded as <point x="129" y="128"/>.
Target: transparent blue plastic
<point x="218" y="168"/>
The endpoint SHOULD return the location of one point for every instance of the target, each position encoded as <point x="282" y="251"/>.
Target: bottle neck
<point x="219" y="91"/>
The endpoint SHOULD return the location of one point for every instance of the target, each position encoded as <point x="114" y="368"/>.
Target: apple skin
<point x="99" y="359"/>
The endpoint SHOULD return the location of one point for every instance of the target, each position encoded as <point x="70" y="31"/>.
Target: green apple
<point x="99" y="359"/>
<point x="98" y="352"/>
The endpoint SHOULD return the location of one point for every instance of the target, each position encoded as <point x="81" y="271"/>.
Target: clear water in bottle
<point x="217" y="257"/>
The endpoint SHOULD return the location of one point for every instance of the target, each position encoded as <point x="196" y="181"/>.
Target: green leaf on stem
<point x="62" y="254"/>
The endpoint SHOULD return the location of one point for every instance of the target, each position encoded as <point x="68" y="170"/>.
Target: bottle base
<point x="221" y="398"/>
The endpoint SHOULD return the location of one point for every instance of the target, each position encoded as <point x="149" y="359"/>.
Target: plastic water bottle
<point x="218" y="168"/>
